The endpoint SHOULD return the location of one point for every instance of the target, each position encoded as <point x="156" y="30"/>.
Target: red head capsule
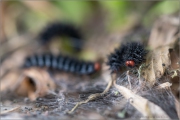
<point x="130" y="63"/>
<point x="97" y="66"/>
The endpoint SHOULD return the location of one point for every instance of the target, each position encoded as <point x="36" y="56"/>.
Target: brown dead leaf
<point x="16" y="43"/>
<point x="156" y="63"/>
<point x="9" y="62"/>
<point x="8" y="80"/>
<point x="164" y="31"/>
<point x="34" y="83"/>
<point x="147" y="108"/>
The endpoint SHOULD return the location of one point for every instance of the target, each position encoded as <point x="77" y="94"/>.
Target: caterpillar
<point x="129" y="55"/>
<point x="59" y="29"/>
<point x="64" y="63"/>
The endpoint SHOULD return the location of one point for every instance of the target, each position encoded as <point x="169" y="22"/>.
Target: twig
<point x="94" y="96"/>
<point x="10" y="110"/>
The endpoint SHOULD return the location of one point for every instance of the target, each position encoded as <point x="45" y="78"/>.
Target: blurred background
<point x="102" y="23"/>
<point x="104" y="26"/>
<point x="19" y="17"/>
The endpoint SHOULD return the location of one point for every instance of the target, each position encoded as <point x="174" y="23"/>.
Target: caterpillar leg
<point x="92" y="97"/>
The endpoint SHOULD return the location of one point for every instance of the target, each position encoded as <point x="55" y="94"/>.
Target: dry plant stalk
<point x="10" y="110"/>
<point x="93" y="96"/>
<point x="163" y="32"/>
<point x="164" y="85"/>
<point x="157" y="62"/>
<point x="147" y="108"/>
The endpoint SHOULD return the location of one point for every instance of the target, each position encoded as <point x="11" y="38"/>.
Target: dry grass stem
<point x="144" y="106"/>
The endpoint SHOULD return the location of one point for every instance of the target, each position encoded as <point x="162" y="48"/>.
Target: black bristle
<point x="131" y="51"/>
<point x="63" y="63"/>
<point x="135" y="52"/>
<point x="115" y="60"/>
<point x="59" y="29"/>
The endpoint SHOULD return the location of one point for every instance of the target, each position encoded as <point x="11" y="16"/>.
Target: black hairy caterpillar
<point x="63" y="63"/>
<point x="59" y="29"/>
<point x="130" y="55"/>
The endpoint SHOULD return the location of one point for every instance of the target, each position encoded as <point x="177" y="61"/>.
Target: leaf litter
<point x="132" y="95"/>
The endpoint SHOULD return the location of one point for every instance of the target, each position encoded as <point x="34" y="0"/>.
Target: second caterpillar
<point x="64" y="63"/>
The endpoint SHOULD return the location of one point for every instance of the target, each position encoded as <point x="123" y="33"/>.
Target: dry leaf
<point x="17" y="57"/>
<point x="8" y="80"/>
<point x="164" y="31"/>
<point x="16" y="43"/>
<point x="147" y="108"/>
<point x="156" y="63"/>
<point x="34" y="83"/>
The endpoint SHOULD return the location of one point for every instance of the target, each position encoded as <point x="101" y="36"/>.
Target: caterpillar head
<point x="127" y="55"/>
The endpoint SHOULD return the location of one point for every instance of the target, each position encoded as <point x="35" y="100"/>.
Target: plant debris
<point x="148" y="91"/>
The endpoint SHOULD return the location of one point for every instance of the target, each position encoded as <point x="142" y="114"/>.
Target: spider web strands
<point x="145" y="107"/>
<point x="159" y="95"/>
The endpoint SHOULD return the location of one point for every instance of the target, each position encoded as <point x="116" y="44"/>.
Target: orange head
<point x="97" y="66"/>
<point x="130" y="63"/>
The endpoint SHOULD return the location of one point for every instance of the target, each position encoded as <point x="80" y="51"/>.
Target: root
<point x="93" y="96"/>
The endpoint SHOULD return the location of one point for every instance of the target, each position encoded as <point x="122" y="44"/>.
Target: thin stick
<point x="93" y="96"/>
